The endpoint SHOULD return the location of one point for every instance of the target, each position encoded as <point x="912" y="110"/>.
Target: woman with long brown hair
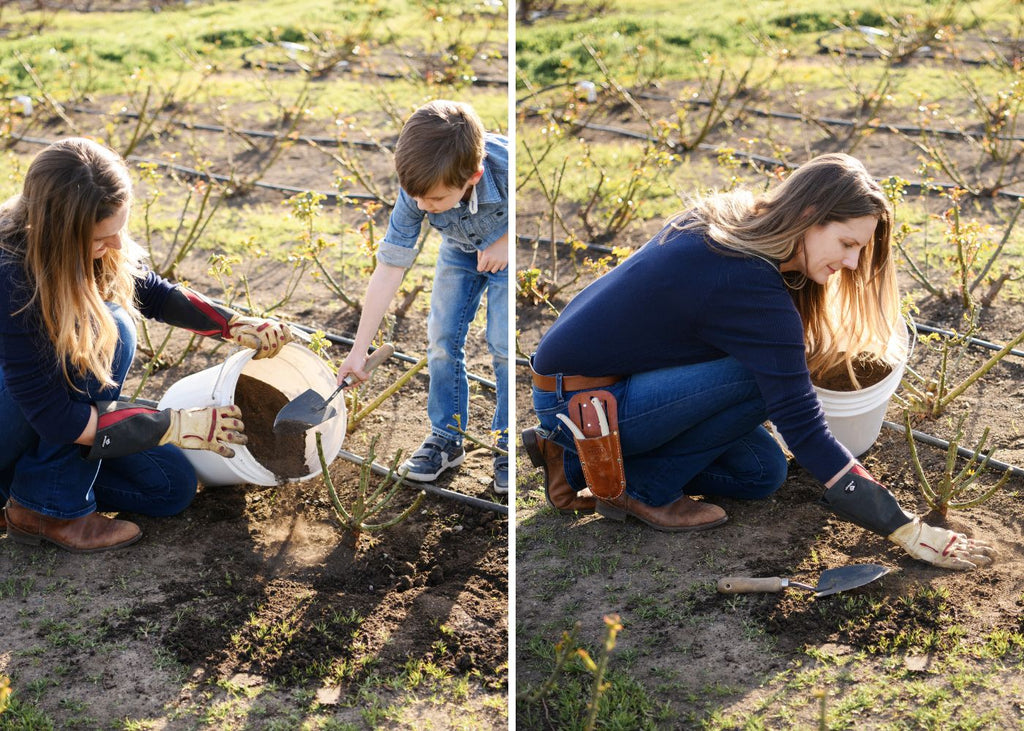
<point x="675" y="359"/>
<point x="72" y="283"/>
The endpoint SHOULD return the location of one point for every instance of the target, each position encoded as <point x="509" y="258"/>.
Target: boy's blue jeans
<point x="56" y="479"/>
<point x="458" y="289"/>
<point x="694" y="430"/>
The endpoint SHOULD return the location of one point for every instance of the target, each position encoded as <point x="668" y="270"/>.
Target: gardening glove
<point x="210" y="428"/>
<point x="190" y="310"/>
<point x="858" y="498"/>
<point x="942" y="547"/>
<point x="267" y="337"/>
<point x="127" y="428"/>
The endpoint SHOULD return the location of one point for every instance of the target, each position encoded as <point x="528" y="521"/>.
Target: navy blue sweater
<point x="31" y="372"/>
<point x="679" y="302"/>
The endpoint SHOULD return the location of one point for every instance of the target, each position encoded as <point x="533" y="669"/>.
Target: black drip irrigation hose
<point x="307" y="139"/>
<point x="928" y="439"/>
<point x="750" y="158"/>
<point x="925" y="188"/>
<point x="293" y="67"/>
<point x="836" y="122"/>
<point x="341" y="340"/>
<point x="924" y="51"/>
<point x="475" y="502"/>
<point x="349" y="198"/>
<point x="972" y="340"/>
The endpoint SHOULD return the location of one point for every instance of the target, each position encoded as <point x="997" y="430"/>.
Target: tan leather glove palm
<point x="266" y="337"/>
<point x="211" y="428"/>
<point x="942" y="547"/>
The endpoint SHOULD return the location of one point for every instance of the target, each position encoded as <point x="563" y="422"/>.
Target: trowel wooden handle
<point x="378" y="356"/>
<point x="744" y="584"/>
<point x="375" y="358"/>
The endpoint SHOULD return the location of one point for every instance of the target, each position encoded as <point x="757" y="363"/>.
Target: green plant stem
<point x="564" y="649"/>
<point x="942" y="401"/>
<point x="151" y="364"/>
<point x="922" y="480"/>
<point x="998" y="250"/>
<point x="330" y="483"/>
<point x="612" y="627"/>
<point x="387" y="393"/>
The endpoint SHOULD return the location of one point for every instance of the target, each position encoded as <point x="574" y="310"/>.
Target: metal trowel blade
<point x="304" y="411"/>
<point x="833" y="581"/>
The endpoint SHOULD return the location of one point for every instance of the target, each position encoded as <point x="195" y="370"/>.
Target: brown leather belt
<point x="573" y="383"/>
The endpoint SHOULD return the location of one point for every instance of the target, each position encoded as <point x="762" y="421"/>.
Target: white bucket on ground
<point x="292" y="371"/>
<point x="855" y="417"/>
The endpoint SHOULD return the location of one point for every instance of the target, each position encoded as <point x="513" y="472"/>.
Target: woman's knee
<point x="182" y="490"/>
<point x="179" y="488"/>
<point x="775" y="470"/>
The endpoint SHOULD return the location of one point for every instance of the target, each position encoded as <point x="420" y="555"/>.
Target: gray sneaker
<point x="500" y="484"/>
<point x="434" y="456"/>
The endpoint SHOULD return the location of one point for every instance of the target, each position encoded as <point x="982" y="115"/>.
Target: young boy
<point x="456" y="174"/>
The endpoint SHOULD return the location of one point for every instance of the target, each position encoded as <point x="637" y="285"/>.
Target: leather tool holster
<point x="600" y="453"/>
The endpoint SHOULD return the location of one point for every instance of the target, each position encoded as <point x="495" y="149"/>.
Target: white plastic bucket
<point x="292" y="371"/>
<point x="855" y="417"/>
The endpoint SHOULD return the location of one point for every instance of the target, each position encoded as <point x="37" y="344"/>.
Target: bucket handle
<point x="217" y="382"/>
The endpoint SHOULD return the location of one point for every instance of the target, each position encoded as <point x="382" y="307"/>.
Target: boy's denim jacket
<point x="468" y="232"/>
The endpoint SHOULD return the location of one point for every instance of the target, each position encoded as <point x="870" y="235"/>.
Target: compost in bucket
<point x="868" y="368"/>
<point x="281" y="452"/>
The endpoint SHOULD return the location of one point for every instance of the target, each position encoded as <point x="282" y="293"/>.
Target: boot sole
<point x="34" y="539"/>
<point x="617" y="514"/>
<point x="529" y="438"/>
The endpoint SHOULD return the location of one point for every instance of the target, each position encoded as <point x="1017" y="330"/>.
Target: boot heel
<point x="532" y="447"/>
<point x="20" y="536"/>
<point x="609" y="511"/>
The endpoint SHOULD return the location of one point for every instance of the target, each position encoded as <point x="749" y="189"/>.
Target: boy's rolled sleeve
<point x="399" y="245"/>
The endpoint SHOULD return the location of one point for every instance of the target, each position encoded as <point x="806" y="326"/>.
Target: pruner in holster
<point x="593" y="423"/>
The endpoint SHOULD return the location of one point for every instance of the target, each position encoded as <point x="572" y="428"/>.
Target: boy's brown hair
<point x="442" y="142"/>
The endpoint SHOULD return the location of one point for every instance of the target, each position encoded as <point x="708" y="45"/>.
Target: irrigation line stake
<point x="928" y="439"/>
<point x="427" y="487"/>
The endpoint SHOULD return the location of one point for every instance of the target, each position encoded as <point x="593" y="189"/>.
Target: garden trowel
<point x="309" y="408"/>
<point x="832" y="581"/>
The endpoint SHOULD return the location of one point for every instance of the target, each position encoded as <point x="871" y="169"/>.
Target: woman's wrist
<point x="840" y="473"/>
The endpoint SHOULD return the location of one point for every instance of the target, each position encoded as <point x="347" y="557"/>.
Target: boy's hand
<point x="494" y="258"/>
<point x="354" y="365"/>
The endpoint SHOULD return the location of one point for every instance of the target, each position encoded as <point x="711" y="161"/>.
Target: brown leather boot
<point x="89" y="534"/>
<point x="559" y="493"/>
<point x="685" y="514"/>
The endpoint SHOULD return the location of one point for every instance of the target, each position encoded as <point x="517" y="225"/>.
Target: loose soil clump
<point x="283" y="451"/>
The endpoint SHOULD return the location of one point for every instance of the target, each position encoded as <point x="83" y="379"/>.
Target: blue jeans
<point x="56" y="479"/>
<point x="694" y="430"/>
<point x="458" y="289"/>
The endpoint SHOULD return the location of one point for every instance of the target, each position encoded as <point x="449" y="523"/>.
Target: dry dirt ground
<point x="251" y="609"/>
<point x="701" y="655"/>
